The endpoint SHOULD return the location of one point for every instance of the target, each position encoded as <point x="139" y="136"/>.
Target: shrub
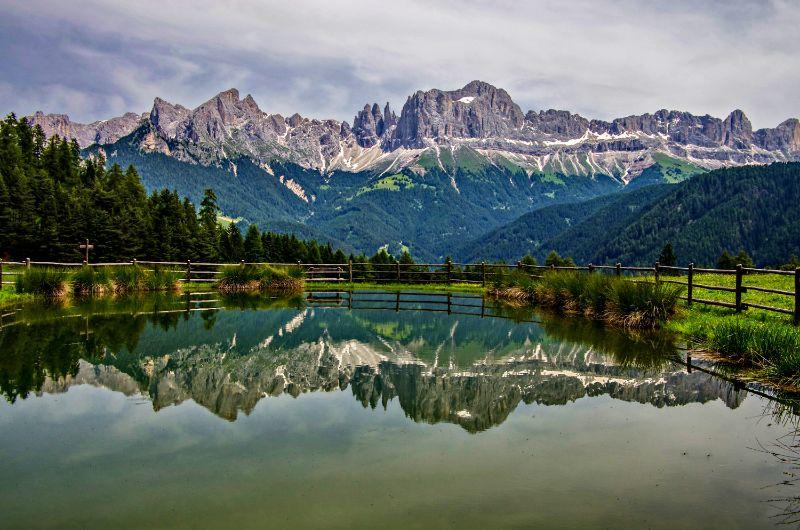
<point x="46" y="281"/>
<point x="90" y="280"/>
<point x="127" y="279"/>
<point x="732" y="338"/>
<point x="239" y="278"/>
<point x="640" y="305"/>
<point x="162" y="280"/>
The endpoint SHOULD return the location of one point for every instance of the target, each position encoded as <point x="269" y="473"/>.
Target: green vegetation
<point x="51" y="199"/>
<point x="674" y="170"/>
<point x="45" y="281"/>
<point x="455" y="287"/>
<point x="751" y="207"/>
<point x="614" y="300"/>
<point x="396" y="182"/>
<point x="239" y="278"/>
<point x="53" y="282"/>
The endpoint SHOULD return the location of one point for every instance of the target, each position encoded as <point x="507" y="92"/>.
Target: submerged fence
<point x="482" y="274"/>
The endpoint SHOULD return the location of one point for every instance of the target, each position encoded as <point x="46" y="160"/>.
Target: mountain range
<point x="453" y="165"/>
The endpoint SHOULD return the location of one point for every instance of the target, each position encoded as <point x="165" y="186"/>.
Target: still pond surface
<point x="373" y="411"/>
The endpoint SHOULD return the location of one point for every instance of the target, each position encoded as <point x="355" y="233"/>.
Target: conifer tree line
<point x="51" y="200"/>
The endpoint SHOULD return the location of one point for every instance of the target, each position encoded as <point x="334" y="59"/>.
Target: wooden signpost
<point x="86" y="247"/>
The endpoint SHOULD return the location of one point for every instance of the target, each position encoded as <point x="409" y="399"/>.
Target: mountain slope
<point x="751" y="208"/>
<point x="566" y="227"/>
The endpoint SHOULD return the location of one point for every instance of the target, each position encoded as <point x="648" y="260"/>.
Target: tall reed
<point x="45" y="281"/>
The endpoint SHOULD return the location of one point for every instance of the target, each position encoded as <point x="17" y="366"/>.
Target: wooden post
<point x="86" y="247"/>
<point x="591" y="268"/>
<point x="398" y="272"/>
<point x="449" y="271"/>
<point x="690" y="279"/>
<point x="739" y="272"/>
<point x="397" y="302"/>
<point x="1" y="274"/>
<point x="797" y="296"/>
<point x="483" y="274"/>
<point x="448" y="302"/>
<point x="27" y="263"/>
<point x="350" y="269"/>
<point x="188" y="271"/>
<point x="656" y="270"/>
<point x="618" y="269"/>
<point x="519" y="265"/>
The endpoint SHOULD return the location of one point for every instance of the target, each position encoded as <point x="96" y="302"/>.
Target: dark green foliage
<point x="775" y="348"/>
<point x="574" y="229"/>
<point x="45" y="281"/>
<point x="727" y="261"/>
<point x="51" y="199"/>
<point x="754" y="208"/>
<point x="554" y="260"/>
<point x="667" y="256"/>
<point x="614" y="300"/>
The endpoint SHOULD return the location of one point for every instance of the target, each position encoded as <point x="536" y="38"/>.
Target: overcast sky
<point x="94" y="59"/>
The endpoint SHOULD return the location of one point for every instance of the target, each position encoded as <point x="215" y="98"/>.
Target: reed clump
<point x="771" y="348"/>
<point x="611" y="299"/>
<point x="244" y="278"/>
<point x="91" y="281"/>
<point x="44" y="281"/>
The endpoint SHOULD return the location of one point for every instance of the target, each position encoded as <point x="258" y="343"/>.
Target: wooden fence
<point x="473" y="273"/>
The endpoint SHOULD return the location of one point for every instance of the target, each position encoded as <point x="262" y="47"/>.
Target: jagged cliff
<point x="478" y="116"/>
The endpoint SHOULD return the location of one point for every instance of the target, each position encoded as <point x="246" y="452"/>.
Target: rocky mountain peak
<point x="478" y="110"/>
<point x="737" y="132"/>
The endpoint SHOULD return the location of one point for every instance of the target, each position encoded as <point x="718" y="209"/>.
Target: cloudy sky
<point x="94" y="59"/>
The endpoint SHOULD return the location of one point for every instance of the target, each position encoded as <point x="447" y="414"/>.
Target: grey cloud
<point x="603" y="58"/>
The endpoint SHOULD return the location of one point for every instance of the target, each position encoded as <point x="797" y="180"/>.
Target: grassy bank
<point x="244" y="278"/>
<point x="370" y="286"/>
<point x="52" y="282"/>
<point x="615" y="301"/>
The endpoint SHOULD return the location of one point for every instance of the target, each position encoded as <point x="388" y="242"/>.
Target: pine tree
<point x="253" y="248"/>
<point x="667" y="256"/>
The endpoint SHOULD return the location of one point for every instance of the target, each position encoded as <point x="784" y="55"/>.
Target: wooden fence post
<point x="519" y="265"/>
<point x="483" y="273"/>
<point x="591" y="268"/>
<point x="398" y="272"/>
<point x="1" y="274"/>
<point x="27" y="263"/>
<point x="689" y="280"/>
<point x="188" y="271"/>
<point x="656" y="270"/>
<point x="797" y="296"/>
<point x="449" y="271"/>
<point x="618" y="269"/>
<point x="350" y="269"/>
<point x="739" y="272"/>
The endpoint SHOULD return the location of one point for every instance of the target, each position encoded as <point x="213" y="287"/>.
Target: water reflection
<point x="471" y="366"/>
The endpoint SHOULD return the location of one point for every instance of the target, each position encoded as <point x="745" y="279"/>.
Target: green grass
<point x="396" y="182"/>
<point x="675" y="170"/>
<point x="49" y="282"/>
<point x="91" y="280"/>
<point x="602" y="297"/>
<point x="372" y="286"/>
<point x="9" y="295"/>
<point x="240" y="278"/>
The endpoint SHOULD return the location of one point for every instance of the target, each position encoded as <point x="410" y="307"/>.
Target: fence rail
<point x="470" y="273"/>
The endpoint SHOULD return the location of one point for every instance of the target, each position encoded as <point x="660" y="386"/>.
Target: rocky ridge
<point x="479" y="117"/>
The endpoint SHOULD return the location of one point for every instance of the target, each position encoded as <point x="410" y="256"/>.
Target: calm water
<point x="146" y="413"/>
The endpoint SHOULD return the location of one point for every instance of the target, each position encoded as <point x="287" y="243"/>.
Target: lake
<point x="370" y="409"/>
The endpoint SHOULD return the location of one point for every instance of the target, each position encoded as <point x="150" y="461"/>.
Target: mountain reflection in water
<point x="459" y="368"/>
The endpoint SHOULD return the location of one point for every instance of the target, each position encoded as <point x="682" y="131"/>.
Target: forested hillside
<point x="755" y="208"/>
<point x="51" y="200"/>
<point x="565" y="227"/>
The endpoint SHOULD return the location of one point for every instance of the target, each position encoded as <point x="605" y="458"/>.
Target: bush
<point x="46" y="281"/>
<point x="640" y="305"/>
<point x="162" y="280"/>
<point x="128" y="279"/>
<point x="90" y="280"/>
<point x="758" y="343"/>
<point x="617" y="301"/>
<point x="239" y="278"/>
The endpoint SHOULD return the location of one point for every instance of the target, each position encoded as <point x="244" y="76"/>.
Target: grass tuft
<point x="45" y="281"/>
